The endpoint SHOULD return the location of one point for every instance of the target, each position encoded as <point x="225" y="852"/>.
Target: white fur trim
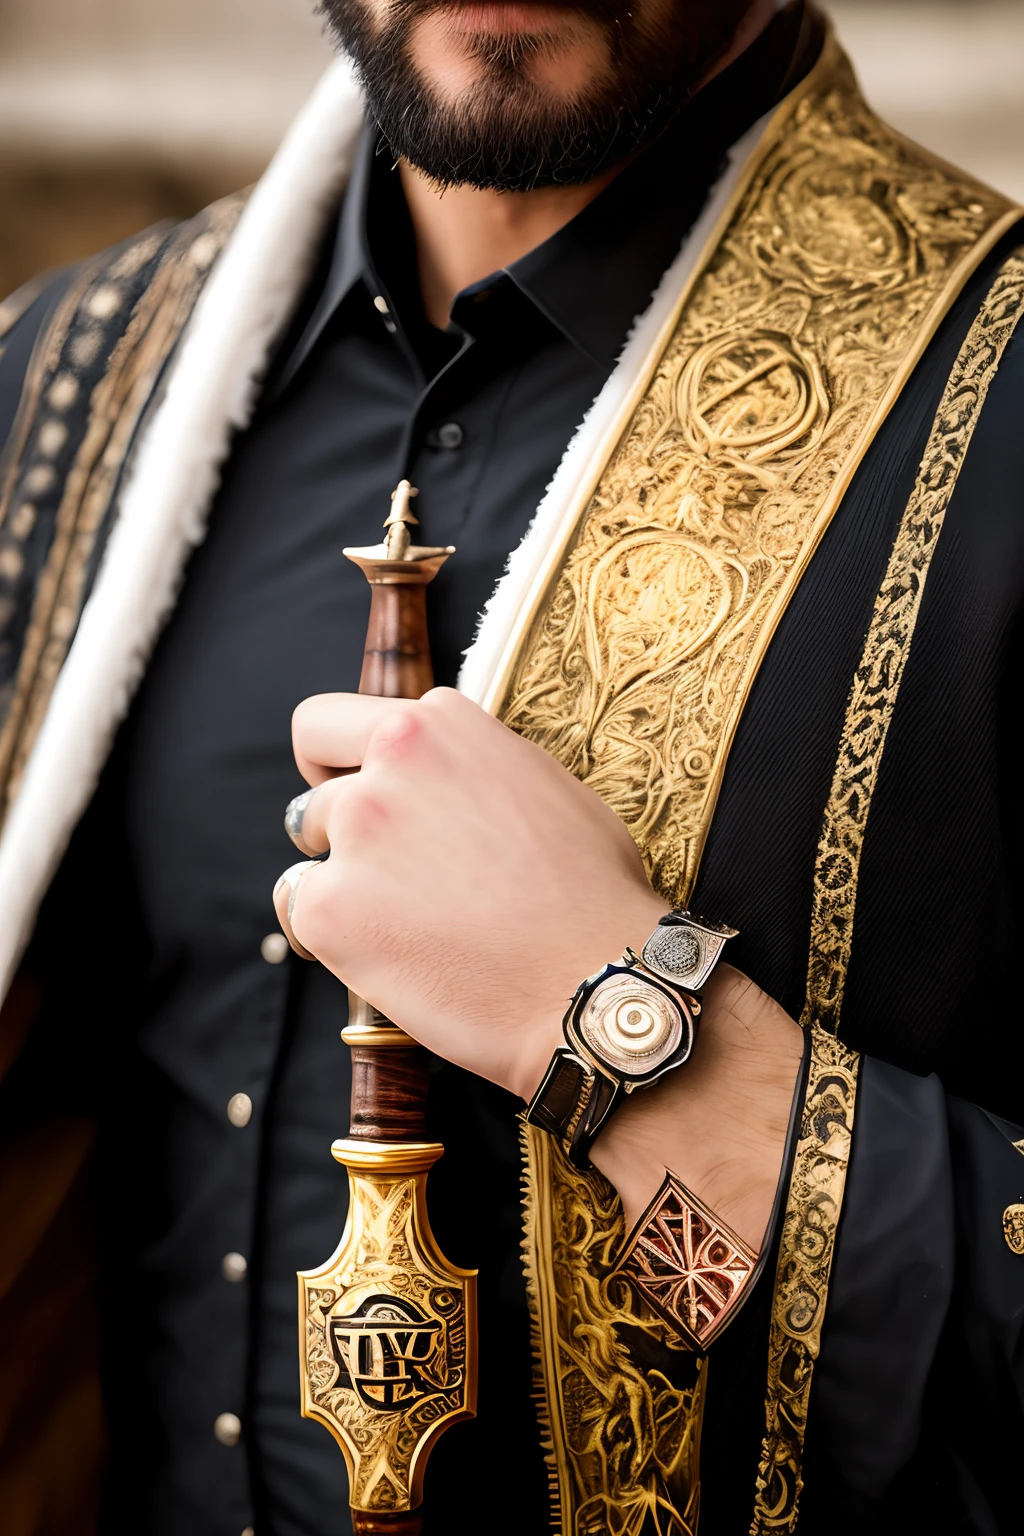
<point x="213" y="384"/>
<point x="530" y="565"/>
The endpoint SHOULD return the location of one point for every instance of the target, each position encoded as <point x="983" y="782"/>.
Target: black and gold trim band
<point x="92" y="381"/>
<point x="822" y="1156"/>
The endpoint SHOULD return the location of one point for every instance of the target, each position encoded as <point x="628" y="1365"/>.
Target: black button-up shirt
<point x="363" y="392"/>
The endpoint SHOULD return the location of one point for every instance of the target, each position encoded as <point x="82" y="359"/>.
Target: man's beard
<point x="505" y="132"/>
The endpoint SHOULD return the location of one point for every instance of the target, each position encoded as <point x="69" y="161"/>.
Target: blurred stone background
<point x="115" y="113"/>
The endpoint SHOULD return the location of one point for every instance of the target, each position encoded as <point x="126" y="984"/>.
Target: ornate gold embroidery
<point x="813" y="1204"/>
<point x="819" y="1175"/>
<point x="801" y="326"/>
<point x="788" y="353"/>
<point x="623" y="1444"/>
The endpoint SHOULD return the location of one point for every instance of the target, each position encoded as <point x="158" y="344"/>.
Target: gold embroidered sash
<point x="842" y="250"/>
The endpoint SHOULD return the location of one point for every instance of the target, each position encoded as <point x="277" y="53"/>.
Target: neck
<point x="464" y="233"/>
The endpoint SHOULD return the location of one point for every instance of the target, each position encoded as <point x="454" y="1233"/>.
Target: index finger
<point x="331" y="731"/>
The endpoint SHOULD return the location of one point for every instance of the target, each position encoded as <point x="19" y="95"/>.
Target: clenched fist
<point x="471" y="883"/>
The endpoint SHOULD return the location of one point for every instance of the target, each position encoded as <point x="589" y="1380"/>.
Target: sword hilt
<point x="388" y="1346"/>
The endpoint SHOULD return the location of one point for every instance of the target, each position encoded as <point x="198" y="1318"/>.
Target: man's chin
<point x="508" y="95"/>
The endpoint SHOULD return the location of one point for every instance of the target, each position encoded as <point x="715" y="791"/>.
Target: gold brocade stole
<point x="840" y="253"/>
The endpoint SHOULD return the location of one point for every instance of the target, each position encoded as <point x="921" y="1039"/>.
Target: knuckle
<point x="302" y="716"/>
<point x="359" y="813"/>
<point x="317" y="902"/>
<point x="449" y="705"/>
<point x="399" y="734"/>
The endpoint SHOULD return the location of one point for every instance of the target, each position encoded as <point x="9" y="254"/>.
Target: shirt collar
<point x="596" y="274"/>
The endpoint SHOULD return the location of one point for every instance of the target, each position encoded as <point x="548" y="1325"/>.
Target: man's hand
<point x="472" y="884"/>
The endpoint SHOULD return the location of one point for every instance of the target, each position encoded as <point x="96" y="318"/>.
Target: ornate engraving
<point x="1013" y="1228"/>
<point x="686" y="949"/>
<point x="813" y="307"/>
<point x="622" y="1441"/>
<point x="819" y="1176"/>
<point x="632" y="1024"/>
<point x="806" y="317"/>
<point x="687" y="1264"/>
<point x="676" y="951"/>
<point x="813" y="1205"/>
<point x="389" y="1329"/>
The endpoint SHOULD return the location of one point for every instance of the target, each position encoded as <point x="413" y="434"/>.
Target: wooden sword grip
<point x="389" y="1077"/>
<point x="389" y="1070"/>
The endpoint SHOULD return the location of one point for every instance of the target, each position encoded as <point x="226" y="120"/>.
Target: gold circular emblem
<point x="1013" y="1228"/>
<point x="751" y="397"/>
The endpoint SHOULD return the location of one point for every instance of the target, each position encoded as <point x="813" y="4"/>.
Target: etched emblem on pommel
<point x="389" y="1329"/>
<point x="391" y="1353"/>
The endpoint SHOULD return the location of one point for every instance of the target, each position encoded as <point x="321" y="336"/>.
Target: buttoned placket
<point x="440" y="452"/>
<point x="245" y="1127"/>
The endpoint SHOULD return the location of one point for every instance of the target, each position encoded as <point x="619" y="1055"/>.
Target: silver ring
<point x="294" y="812"/>
<point x="293" y="877"/>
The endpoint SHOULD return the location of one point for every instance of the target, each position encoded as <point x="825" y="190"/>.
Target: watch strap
<point x="572" y="1104"/>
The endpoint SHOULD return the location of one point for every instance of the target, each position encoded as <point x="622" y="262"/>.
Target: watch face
<point x="632" y="1025"/>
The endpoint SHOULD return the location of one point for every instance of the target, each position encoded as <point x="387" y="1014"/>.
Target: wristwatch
<point x="625" y="1028"/>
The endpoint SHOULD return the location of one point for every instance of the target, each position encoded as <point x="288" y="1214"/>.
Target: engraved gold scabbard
<point x="387" y="1327"/>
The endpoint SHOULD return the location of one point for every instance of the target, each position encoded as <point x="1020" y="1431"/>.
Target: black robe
<point x="916" y="1410"/>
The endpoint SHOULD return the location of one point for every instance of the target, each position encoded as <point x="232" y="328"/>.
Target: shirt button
<point x="450" y="435"/>
<point x="227" y="1427"/>
<point x="274" y="948"/>
<point x="234" y="1267"/>
<point x="380" y="304"/>
<point x="240" y="1109"/>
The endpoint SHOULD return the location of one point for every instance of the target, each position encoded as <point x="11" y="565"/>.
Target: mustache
<point x="506" y="50"/>
<point x="606" y="11"/>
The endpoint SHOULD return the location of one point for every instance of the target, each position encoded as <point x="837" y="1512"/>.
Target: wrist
<point x="720" y="1124"/>
<point x="582" y="956"/>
